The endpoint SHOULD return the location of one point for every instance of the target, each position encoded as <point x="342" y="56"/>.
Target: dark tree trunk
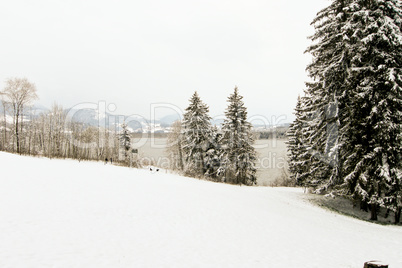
<point x="373" y="212"/>
<point x="17" y="133"/>
<point x="202" y="164"/>
<point x="364" y="206"/>
<point x="5" y="127"/>
<point x="398" y="215"/>
<point x="387" y="213"/>
<point x="181" y="165"/>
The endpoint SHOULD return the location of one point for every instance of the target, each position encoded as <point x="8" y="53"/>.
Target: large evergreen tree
<point x="374" y="164"/>
<point x="238" y="161"/>
<point x="325" y="104"/>
<point x="196" y="135"/>
<point x="353" y="107"/>
<point x="298" y="156"/>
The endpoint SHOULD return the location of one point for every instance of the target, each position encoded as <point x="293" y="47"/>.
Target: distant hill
<point x="168" y="120"/>
<point x="136" y="123"/>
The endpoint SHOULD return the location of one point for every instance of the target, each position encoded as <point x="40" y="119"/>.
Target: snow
<point x="65" y="213"/>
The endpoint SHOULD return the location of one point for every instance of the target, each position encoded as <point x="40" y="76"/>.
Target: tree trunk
<point x="179" y="147"/>
<point x="398" y="215"/>
<point x="387" y="213"/>
<point x="22" y="138"/>
<point x="16" y="132"/>
<point x="5" y="128"/>
<point x="181" y="165"/>
<point x="29" y="141"/>
<point x="373" y="212"/>
<point x="202" y="164"/>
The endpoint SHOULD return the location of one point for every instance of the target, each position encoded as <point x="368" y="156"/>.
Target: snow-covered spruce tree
<point x="239" y="155"/>
<point x="374" y="165"/>
<point x="298" y="156"/>
<point x="196" y="135"/>
<point x="213" y="155"/>
<point x="354" y="101"/>
<point x="125" y="140"/>
<point x="325" y="104"/>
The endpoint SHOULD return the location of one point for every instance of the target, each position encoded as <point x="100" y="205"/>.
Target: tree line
<point x="51" y="134"/>
<point x="197" y="148"/>
<point x="346" y="138"/>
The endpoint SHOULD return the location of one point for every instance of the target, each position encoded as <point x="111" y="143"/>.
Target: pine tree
<point x="213" y="155"/>
<point x="374" y="166"/>
<point x="125" y="140"/>
<point x="352" y="109"/>
<point x="238" y="161"/>
<point x="196" y="135"/>
<point x="298" y="156"/>
<point x="325" y="104"/>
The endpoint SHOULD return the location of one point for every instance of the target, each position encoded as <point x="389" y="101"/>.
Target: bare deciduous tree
<point x="174" y="147"/>
<point x="19" y="92"/>
<point x="5" y="108"/>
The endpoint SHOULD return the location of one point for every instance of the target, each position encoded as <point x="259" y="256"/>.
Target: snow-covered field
<point x="62" y="213"/>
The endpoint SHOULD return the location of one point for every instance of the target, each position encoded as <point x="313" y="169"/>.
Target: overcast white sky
<point x="134" y="53"/>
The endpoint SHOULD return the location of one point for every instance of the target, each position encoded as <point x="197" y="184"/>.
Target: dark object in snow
<point x="157" y="169"/>
<point x="106" y="161"/>
<point x="150" y="169"/>
<point x="375" y="264"/>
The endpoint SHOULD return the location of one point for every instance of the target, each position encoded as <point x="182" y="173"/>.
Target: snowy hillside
<point x="64" y="213"/>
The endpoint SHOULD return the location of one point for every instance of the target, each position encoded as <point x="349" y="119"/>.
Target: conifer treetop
<point x="236" y="110"/>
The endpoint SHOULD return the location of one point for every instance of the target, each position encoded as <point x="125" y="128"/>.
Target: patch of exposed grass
<point x="344" y="206"/>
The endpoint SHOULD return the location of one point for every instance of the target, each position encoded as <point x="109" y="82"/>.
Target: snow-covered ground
<point x="64" y="213"/>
